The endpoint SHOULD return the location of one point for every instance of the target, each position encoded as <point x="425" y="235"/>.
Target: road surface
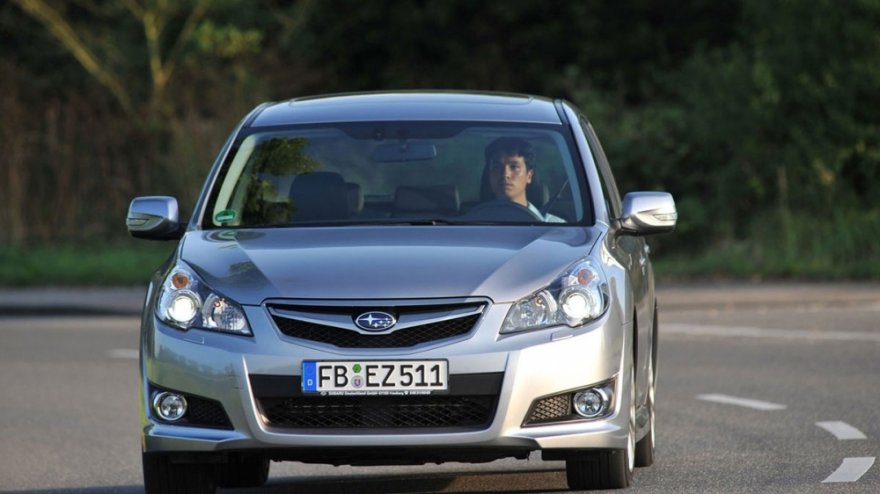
<point x="774" y="395"/>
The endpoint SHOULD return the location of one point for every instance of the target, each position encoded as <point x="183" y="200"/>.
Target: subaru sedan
<point x="401" y="278"/>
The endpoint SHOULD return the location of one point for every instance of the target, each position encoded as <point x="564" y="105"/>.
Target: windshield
<point x="400" y="173"/>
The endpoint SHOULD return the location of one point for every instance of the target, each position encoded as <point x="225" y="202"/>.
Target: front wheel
<point x="645" y="447"/>
<point x="161" y="476"/>
<point x="243" y="472"/>
<point x="600" y="470"/>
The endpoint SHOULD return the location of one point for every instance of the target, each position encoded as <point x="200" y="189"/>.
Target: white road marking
<point x="850" y="470"/>
<point x="756" y="332"/>
<point x="81" y="323"/>
<point x="123" y="353"/>
<point x="742" y="402"/>
<point x="841" y="430"/>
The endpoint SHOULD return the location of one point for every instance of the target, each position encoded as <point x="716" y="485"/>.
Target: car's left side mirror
<point x="647" y="213"/>
<point x="154" y="218"/>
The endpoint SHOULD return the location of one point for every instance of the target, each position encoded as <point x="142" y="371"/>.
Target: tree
<point x="173" y="33"/>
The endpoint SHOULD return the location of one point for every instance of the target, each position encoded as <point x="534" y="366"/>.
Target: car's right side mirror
<point x="154" y="218"/>
<point x="646" y="213"/>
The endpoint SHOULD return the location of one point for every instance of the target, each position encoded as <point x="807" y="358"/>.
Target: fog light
<point x="591" y="403"/>
<point x="169" y="406"/>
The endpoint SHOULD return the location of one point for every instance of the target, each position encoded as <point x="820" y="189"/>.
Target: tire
<point x="645" y="448"/>
<point x="243" y="472"/>
<point x="601" y="470"/>
<point x="609" y="469"/>
<point x="161" y="476"/>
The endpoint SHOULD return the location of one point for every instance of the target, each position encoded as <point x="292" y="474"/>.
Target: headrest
<point x="537" y="193"/>
<point x="319" y="196"/>
<point x="355" y="195"/>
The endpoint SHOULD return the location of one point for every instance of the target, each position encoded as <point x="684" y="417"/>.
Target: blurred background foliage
<point x="761" y="117"/>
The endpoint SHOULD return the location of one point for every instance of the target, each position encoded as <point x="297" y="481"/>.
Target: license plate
<point x="375" y="377"/>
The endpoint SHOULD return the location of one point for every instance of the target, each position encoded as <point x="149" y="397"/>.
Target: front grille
<point x="551" y="409"/>
<point x="350" y="338"/>
<point x="378" y="412"/>
<point x="399" y="339"/>
<point x="469" y="403"/>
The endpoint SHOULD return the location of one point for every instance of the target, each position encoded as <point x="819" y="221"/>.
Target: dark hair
<point x="512" y="146"/>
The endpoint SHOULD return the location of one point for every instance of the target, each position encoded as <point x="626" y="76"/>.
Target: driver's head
<point x="510" y="162"/>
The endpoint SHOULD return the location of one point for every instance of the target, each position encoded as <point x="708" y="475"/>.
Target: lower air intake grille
<point x="378" y="412"/>
<point x="551" y="409"/>
<point x="206" y="413"/>
<point x="470" y="404"/>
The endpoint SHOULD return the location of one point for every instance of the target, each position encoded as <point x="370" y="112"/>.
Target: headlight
<point x="578" y="296"/>
<point x="186" y="302"/>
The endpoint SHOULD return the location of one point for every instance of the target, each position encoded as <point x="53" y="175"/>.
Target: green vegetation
<point x="836" y="246"/>
<point x="82" y="266"/>
<point x="760" y="117"/>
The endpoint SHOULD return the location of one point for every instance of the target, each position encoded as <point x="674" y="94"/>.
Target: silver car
<point x="401" y="278"/>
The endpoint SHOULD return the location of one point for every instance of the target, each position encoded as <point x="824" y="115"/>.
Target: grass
<point x="782" y="245"/>
<point x="739" y="264"/>
<point x="76" y="265"/>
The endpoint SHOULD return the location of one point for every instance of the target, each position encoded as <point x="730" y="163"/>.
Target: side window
<point x="609" y="187"/>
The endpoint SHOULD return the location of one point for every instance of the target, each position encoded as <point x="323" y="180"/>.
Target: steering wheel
<point x="500" y="210"/>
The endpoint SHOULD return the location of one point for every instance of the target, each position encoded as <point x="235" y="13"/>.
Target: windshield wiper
<point x="434" y="222"/>
<point x="401" y="221"/>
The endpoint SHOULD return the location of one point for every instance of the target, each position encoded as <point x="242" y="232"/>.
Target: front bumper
<point x="530" y="366"/>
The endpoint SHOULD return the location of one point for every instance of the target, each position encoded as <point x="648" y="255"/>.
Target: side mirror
<point x="154" y="218"/>
<point x="646" y="213"/>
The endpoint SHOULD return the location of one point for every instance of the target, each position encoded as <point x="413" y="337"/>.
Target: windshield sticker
<point x="225" y="216"/>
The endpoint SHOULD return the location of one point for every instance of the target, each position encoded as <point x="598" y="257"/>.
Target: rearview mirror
<point x="646" y="213"/>
<point x="154" y="218"/>
<point x="393" y="152"/>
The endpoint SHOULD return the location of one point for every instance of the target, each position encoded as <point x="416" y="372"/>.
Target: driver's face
<point x="509" y="177"/>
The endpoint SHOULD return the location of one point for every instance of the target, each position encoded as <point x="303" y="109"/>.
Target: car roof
<point x="408" y="105"/>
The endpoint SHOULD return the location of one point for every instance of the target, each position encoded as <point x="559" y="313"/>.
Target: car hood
<point x="502" y="263"/>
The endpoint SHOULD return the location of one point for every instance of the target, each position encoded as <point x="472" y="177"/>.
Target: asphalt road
<point x="777" y="396"/>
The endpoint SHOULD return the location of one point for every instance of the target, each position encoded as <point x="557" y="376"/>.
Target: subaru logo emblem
<point x="375" y="321"/>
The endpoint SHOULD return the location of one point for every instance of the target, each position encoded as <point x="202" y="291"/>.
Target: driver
<point x="511" y="168"/>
